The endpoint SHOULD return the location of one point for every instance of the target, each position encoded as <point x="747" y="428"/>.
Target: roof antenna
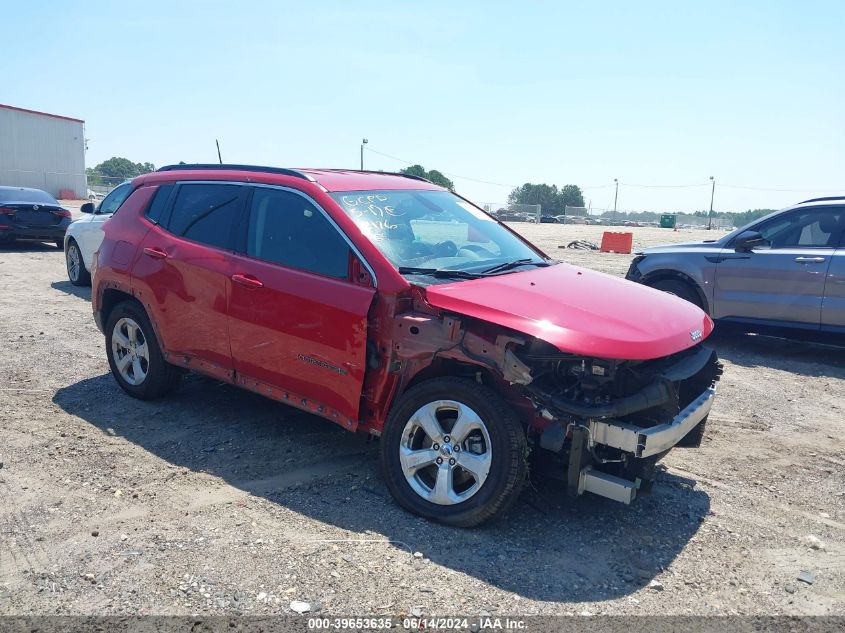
<point x="219" y="157"/>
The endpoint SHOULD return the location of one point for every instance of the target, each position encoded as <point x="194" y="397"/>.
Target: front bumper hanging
<point x="656" y="439"/>
<point x="640" y="442"/>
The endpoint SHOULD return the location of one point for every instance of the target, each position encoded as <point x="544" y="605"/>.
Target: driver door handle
<point x="810" y="260"/>
<point x="155" y="253"/>
<point x="247" y="280"/>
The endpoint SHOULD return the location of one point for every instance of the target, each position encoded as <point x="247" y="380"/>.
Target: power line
<point x="486" y="182"/>
<point x="698" y="184"/>
<point x="840" y="189"/>
<point x="621" y="184"/>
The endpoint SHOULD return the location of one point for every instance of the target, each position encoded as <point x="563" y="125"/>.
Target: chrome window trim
<point x="309" y="199"/>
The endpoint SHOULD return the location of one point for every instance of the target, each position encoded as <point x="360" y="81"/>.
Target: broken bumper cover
<point x="646" y="442"/>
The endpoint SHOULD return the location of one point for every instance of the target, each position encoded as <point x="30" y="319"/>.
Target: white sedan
<point x="84" y="236"/>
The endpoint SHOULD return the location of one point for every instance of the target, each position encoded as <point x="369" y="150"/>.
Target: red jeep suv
<point x="396" y="308"/>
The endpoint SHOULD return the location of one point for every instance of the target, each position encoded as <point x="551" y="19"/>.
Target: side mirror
<point x="358" y="273"/>
<point x="747" y="240"/>
<point x="88" y="207"/>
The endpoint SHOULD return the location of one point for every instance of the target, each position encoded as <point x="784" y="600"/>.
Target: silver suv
<point x="786" y="269"/>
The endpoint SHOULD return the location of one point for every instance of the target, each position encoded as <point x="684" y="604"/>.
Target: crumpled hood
<point x="580" y="311"/>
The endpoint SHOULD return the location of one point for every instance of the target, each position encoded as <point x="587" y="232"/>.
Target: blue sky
<point x="651" y="93"/>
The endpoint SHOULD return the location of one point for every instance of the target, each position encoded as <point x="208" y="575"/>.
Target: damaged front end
<point x="598" y="424"/>
<point x="608" y="422"/>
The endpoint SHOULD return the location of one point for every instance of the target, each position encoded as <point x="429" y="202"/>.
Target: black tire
<point x="694" y="438"/>
<point x="508" y="465"/>
<point x="83" y="277"/>
<point x="161" y="377"/>
<point x="680" y="289"/>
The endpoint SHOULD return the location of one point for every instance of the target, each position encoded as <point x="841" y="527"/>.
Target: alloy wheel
<point x="129" y="351"/>
<point x="445" y="453"/>
<point x="73" y="262"/>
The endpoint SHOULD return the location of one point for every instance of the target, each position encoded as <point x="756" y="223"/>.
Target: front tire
<point x="680" y="289"/>
<point x="454" y="452"/>
<point x="76" y="272"/>
<point x="134" y="354"/>
<point x="695" y="437"/>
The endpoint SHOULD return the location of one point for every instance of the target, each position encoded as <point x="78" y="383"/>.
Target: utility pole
<point x="615" y="198"/>
<point x="363" y="142"/>
<point x="710" y="215"/>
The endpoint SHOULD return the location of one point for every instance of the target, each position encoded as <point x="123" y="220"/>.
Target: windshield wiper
<point x="499" y="268"/>
<point x="440" y="273"/>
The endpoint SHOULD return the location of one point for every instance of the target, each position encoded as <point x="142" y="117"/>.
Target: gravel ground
<point x="218" y="501"/>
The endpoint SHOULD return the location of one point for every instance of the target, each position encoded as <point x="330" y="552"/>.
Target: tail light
<point x="62" y="213"/>
<point x="7" y="210"/>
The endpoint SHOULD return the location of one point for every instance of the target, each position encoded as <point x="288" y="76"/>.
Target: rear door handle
<point x="247" y="280"/>
<point x="155" y="253"/>
<point x="810" y="260"/>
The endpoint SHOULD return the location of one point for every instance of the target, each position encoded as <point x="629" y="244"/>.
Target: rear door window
<point x="207" y="213"/>
<point x="286" y="228"/>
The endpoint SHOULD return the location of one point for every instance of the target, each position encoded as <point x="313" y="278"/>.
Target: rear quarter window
<point x="156" y="209"/>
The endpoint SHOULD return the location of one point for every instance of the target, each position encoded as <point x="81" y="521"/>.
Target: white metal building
<point x="43" y="151"/>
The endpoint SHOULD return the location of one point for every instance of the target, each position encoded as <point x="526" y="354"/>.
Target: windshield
<point x="433" y="230"/>
<point x="21" y="194"/>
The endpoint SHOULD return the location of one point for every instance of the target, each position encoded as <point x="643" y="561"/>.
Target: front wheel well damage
<point x="426" y="346"/>
<point x="441" y="367"/>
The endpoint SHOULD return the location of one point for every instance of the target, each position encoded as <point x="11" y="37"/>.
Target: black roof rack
<point x="399" y="173"/>
<point x="216" y="166"/>
<point x="822" y="199"/>
<point x="384" y="173"/>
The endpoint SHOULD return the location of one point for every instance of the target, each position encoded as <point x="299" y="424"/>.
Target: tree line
<point x="115" y="169"/>
<point x="434" y="176"/>
<point x="553" y="201"/>
<point x="736" y="219"/>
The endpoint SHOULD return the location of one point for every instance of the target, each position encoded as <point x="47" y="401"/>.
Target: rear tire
<point x="134" y="354"/>
<point x="680" y="289"/>
<point x="482" y="468"/>
<point x="75" y="265"/>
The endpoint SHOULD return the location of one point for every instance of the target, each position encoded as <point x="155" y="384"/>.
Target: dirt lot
<point x="217" y="501"/>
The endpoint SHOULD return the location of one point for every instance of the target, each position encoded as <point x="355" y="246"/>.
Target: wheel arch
<point x="441" y="367"/>
<point x="661" y="275"/>
<point x="112" y="297"/>
<point x="445" y="367"/>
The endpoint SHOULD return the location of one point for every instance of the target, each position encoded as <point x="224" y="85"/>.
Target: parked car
<point x="84" y="235"/>
<point x="548" y="219"/>
<point x="396" y="308"/>
<point x="786" y="270"/>
<point x="31" y="214"/>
